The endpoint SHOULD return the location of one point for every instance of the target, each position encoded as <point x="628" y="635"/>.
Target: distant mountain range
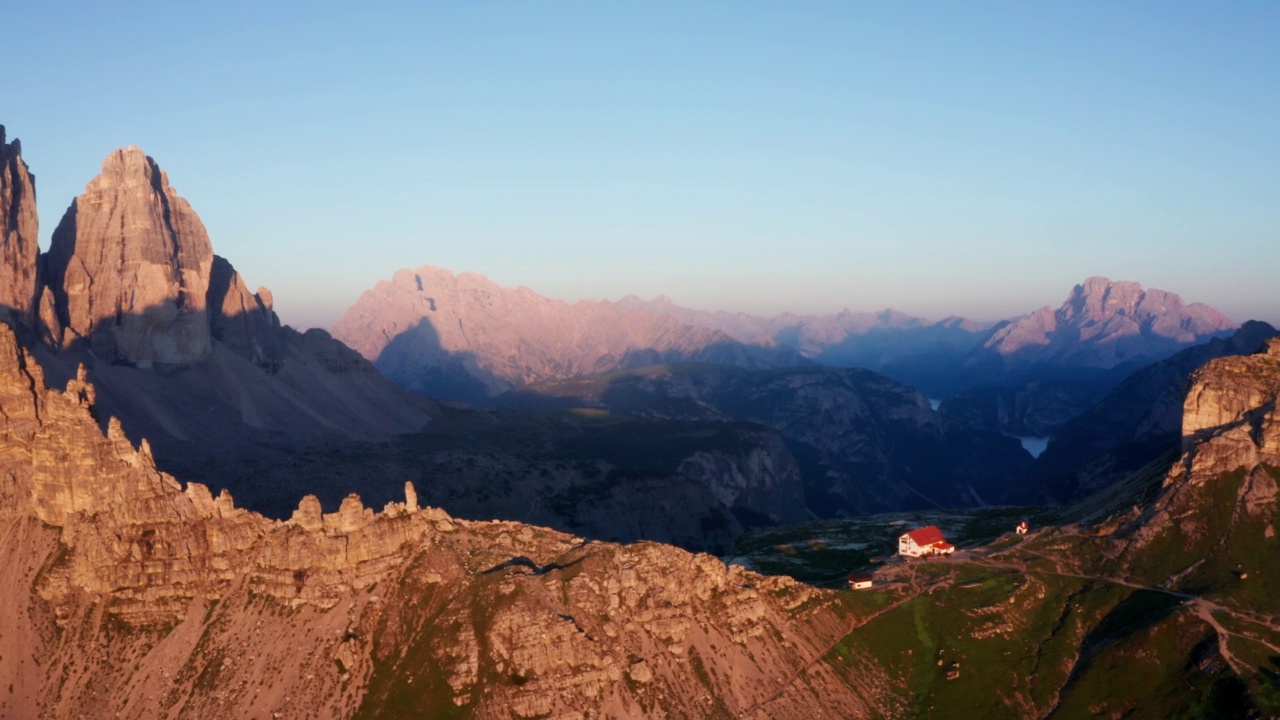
<point x="846" y="338"/>
<point x="464" y="337"/>
<point x="1101" y="325"/>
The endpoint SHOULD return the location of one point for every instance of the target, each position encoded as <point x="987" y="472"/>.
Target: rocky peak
<point x="1106" y="322"/>
<point x="1098" y="297"/>
<point x="19" y="229"/>
<point x="129" y="267"/>
<point x="241" y="320"/>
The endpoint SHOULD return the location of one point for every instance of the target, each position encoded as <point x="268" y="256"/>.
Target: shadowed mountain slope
<point x="864" y="442"/>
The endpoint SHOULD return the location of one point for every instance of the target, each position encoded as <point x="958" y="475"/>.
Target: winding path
<point x="1202" y="607"/>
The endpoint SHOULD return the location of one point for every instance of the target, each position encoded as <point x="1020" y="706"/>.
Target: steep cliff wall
<point x="19" y="233"/>
<point x="129" y="267"/>
<point x="1214" y="518"/>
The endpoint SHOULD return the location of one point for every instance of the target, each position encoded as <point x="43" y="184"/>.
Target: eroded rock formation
<point x="1230" y="419"/>
<point x="179" y="349"/>
<point x="245" y="322"/>
<point x="1213" y="518"/>
<point x="121" y="592"/>
<point x="19" y="232"/>
<point x="129" y="266"/>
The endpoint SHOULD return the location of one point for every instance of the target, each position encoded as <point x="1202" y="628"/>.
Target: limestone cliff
<point x="1230" y="419"/>
<point x="1213" y="517"/>
<point x="19" y="233"/>
<point x="1135" y="423"/>
<point x="243" y="321"/>
<point x="179" y="349"/>
<point x="124" y="594"/>
<point x="129" y="267"/>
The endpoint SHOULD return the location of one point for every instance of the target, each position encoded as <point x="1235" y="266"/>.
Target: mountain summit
<point x="18" y="231"/>
<point x="131" y="297"/>
<point x="129" y="266"/>
<point x="1104" y="323"/>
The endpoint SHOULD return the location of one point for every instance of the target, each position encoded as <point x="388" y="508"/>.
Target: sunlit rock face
<point x="19" y="230"/>
<point x="1138" y="421"/>
<point x="129" y="266"/>
<point x="1230" y="419"/>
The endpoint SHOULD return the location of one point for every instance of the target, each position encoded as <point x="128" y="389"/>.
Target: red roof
<point x="944" y="546"/>
<point x="926" y="536"/>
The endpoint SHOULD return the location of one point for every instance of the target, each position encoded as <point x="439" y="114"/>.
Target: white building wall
<point x="907" y="547"/>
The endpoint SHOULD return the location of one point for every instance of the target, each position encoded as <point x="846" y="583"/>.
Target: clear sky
<point x="939" y="158"/>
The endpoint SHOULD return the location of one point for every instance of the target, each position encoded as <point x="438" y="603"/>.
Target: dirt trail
<point x="863" y="620"/>
<point x="1205" y="612"/>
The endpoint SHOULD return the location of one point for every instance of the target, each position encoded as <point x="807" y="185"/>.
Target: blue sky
<point x="939" y="158"/>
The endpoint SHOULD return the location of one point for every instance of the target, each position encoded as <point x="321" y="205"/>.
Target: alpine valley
<point x="474" y="501"/>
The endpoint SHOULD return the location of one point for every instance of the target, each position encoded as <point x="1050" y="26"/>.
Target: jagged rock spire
<point x="129" y="266"/>
<point x="19" y="230"/>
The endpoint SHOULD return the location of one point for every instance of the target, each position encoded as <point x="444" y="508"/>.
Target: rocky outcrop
<point x="1105" y="323"/>
<point x="1230" y="419"/>
<point x="465" y="337"/>
<point x="19" y="234"/>
<point x="243" y="321"/>
<point x="129" y="267"/>
<point x="125" y="593"/>
<point x="1137" y="422"/>
<point x="1212" y="519"/>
